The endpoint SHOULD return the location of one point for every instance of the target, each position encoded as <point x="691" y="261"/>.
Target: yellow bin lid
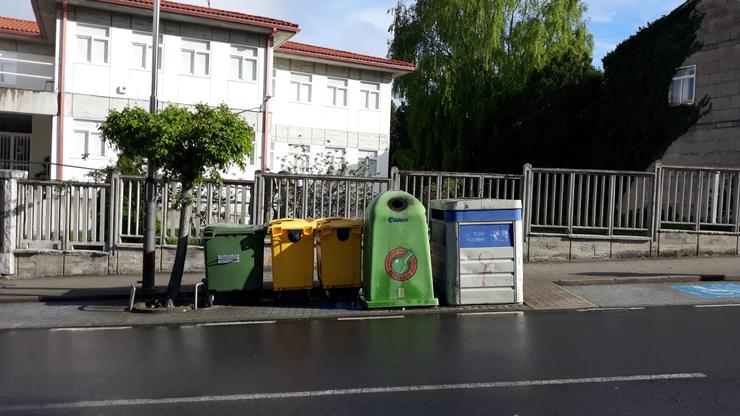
<point x="276" y="226"/>
<point x="338" y="222"/>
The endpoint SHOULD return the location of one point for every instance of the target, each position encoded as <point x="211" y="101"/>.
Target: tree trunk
<point x="173" y="289"/>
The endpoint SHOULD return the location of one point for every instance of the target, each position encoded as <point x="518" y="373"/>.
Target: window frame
<point x="148" y="45"/>
<point x="333" y="89"/>
<point x="88" y="132"/>
<point x="298" y="99"/>
<point x="90" y="42"/>
<point x="366" y="155"/>
<point x="682" y="79"/>
<point x="366" y="93"/>
<point x="194" y="53"/>
<point x="337" y="154"/>
<point x="242" y="56"/>
<point x="300" y="153"/>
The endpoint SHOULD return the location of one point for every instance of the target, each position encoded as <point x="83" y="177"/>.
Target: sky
<point x="362" y="25"/>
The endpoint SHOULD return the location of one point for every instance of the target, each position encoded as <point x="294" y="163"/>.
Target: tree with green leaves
<point x="187" y="146"/>
<point x="637" y="124"/>
<point x="471" y="56"/>
<point x="502" y="83"/>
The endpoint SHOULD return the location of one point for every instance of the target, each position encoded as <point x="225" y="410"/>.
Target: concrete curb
<point x="503" y="310"/>
<point x="652" y="279"/>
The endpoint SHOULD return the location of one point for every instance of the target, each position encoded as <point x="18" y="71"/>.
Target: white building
<point x="61" y="74"/>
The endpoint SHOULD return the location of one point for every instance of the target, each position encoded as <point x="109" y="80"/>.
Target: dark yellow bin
<point x="339" y="252"/>
<point x="292" y="254"/>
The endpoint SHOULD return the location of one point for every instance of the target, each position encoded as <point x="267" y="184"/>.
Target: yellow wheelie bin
<point x="292" y="254"/>
<point x="339" y="252"/>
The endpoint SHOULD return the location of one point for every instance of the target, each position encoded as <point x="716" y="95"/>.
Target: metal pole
<point x="149" y="259"/>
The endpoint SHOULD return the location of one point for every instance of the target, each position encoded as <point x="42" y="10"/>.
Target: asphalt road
<point x="671" y="361"/>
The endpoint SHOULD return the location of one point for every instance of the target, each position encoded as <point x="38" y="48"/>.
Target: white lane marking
<point x="719" y="305"/>
<point x="344" y="392"/>
<point x="490" y="313"/>
<point x="236" y="323"/>
<point x="631" y="308"/>
<point x="89" y="329"/>
<point x="369" y="318"/>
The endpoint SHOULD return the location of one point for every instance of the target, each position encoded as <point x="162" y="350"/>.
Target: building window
<point x="8" y="70"/>
<point x="370" y="95"/>
<point x="336" y="157"/>
<point x="299" y="155"/>
<point x="301" y="87"/>
<point x="369" y="158"/>
<point x="142" y="51"/>
<point x="196" y="57"/>
<point x="87" y="135"/>
<point x="337" y="92"/>
<point x="683" y="86"/>
<point x="92" y="44"/>
<point x="274" y="77"/>
<point x="243" y="63"/>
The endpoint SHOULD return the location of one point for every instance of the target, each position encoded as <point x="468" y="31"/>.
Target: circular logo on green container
<point x="400" y="264"/>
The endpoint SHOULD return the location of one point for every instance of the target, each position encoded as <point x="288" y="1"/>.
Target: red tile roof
<point x="302" y="49"/>
<point x="210" y="13"/>
<point x="18" y="27"/>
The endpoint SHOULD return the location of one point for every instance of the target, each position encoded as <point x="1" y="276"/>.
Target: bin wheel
<point x="327" y="293"/>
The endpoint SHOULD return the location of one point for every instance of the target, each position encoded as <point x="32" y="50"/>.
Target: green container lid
<point x="214" y="230"/>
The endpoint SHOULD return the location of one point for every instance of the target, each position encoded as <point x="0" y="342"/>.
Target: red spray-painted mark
<point x="485" y="266"/>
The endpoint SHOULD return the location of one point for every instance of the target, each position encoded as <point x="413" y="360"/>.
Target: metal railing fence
<point x="283" y="195"/>
<point x="62" y="215"/>
<point x="227" y="202"/>
<point x="427" y="186"/>
<point x="599" y="202"/>
<point x="699" y="199"/>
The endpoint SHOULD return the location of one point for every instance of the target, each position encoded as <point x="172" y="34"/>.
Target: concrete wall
<point x="41" y="131"/>
<point x="93" y="88"/>
<point x="319" y="125"/>
<point x="39" y="263"/>
<point x="715" y="139"/>
<point x="669" y="244"/>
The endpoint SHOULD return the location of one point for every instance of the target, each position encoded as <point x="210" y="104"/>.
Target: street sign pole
<point x="149" y="260"/>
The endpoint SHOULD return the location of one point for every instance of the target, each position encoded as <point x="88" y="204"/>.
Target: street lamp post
<point x="149" y="259"/>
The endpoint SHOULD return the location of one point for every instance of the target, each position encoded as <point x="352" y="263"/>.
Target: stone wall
<point x="715" y="139"/>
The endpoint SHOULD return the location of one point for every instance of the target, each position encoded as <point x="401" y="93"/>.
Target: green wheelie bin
<point x="234" y="258"/>
<point x="397" y="266"/>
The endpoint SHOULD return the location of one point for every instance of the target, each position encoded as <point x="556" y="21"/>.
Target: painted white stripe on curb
<point x="89" y="329"/>
<point x="718" y="305"/>
<point x="236" y="323"/>
<point x="344" y="392"/>
<point x="369" y="318"/>
<point x="490" y="313"/>
<point x="631" y="308"/>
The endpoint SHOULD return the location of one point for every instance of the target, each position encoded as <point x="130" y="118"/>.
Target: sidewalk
<point x="102" y="300"/>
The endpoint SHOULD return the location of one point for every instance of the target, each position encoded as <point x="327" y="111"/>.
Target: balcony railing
<point x="26" y="71"/>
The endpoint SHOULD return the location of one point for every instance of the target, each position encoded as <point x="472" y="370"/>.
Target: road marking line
<point x="631" y="308"/>
<point x="368" y="318"/>
<point x="490" y="313"/>
<point x="344" y="392"/>
<point x="88" y="329"/>
<point x="719" y="305"/>
<point x="235" y="323"/>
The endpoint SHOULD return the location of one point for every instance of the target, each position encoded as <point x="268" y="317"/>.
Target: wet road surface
<point x="679" y="360"/>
